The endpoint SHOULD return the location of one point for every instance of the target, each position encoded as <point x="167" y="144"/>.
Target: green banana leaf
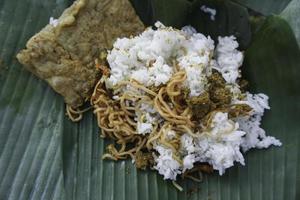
<point x="288" y="9"/>
<point x="45" y="156"/>
<point x="290" y="13"/>
<point x="265" y="6"/>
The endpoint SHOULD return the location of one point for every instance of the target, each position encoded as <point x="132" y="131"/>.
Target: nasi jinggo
<point x="173" y="101"/>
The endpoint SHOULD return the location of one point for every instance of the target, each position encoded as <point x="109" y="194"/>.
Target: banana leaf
<point x="45" y="156"/>
<point x="290" y="13"/>
<point x="265" y="6"/>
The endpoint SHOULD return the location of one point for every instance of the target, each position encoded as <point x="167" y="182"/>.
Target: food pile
<point x="173" y="100"/>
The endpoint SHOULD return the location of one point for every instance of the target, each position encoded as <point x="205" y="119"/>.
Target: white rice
<point x="165" y="164"/>
<point x="148" y="58"/>
<point x="229" y="59"/>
